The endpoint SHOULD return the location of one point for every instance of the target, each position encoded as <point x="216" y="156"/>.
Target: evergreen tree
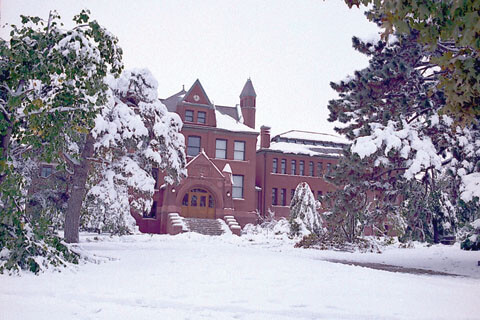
<point x="405" y="149"/>
<point x="133" y="135"/>
<point x="304" y="217"/>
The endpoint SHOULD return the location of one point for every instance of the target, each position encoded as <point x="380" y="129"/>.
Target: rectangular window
<point x="274" y="197"/>
<point x="239" y="150"/>
<point x="302" y="168"/>
<point x="310" y="168"/>
<point x="201" y="117"/>
<point x="221" y="149"/>
<point x="293" y="167"/>
<point x="237" y="189"/>
<point x="283" y="197"/>
<point x="319" y="194"/>
<point x="319" y="169"/>
<point x="283" y="166"/>
<point x="155" y="176"/>
<point x="193" y="146"/>
<point x="189" y="115"/>
<point x="329" y="167"/>
<point x="46" y="171"/>
<point x="274" y="165"/>
<point x="292" y="193"/>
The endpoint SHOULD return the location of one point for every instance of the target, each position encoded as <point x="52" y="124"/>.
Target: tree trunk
<point x="77" y="192"/>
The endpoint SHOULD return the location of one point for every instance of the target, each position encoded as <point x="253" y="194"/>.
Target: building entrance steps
<point x="210" y="227"/>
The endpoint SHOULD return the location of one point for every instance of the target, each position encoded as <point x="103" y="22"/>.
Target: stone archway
<point x="198" y="202"/>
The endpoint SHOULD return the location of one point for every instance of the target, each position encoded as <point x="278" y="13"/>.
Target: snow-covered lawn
<point x="191" y="276"/>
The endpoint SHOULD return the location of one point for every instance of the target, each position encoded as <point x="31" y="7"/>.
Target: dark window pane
<point x="203" y="201"/>
<point x="189" y="115"/>
<point x="274" y="196"/>
<point x="185" y="200"/>
<point x="310" y="168"/>
<point x="294" y="167"/>
<point x="237" y="188"/>
<point x="239" y="150"/>
<point x="284" y="166"/>
<point x="319" y="169"/>
<point x="210" y="202"/>
<point x="193" y="146"/>
<point x="221" y="149"/>
<point x="201" y="117"/>
<point x="302" y="168"/>
<point x="193" y="201"/>
<point x="274" y="165"/>
<point x="283" y="197"/>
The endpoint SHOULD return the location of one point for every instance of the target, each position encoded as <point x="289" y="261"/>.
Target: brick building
<point x="227" y="174"/>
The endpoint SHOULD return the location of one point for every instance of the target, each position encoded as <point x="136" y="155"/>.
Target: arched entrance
<point x="198" y="203"/>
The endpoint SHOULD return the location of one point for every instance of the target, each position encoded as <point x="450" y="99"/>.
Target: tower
<point x="247" y="104"/>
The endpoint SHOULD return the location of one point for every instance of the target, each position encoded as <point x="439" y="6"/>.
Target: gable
<point x="197" y="95"/>
<point x="202" y="166"/>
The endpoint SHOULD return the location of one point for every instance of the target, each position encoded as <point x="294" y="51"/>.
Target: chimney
<point x="264" y="137"/>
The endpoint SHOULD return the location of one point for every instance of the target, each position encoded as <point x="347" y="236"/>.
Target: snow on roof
<point x="313" y="136"/>
<point x="228" y="123"/>
<point x="227" y="168"/>
<point x="306" y="149"/>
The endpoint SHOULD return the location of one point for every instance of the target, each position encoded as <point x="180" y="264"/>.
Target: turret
<point x="247" y="104"/>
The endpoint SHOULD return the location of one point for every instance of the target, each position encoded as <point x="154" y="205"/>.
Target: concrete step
<point x="210" y="227"/>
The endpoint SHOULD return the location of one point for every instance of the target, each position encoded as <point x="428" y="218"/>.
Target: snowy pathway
<point x="199" y="277"/>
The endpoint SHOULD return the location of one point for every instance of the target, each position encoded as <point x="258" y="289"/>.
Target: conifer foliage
<point x="408" y="155"/>
<point x="304" y="217"/>
<point x="134" y="135"/>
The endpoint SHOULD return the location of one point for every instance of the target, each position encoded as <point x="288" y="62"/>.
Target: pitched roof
<point x="308" y="143"/>
<point x="248" y="90"/>
<point x="229" y="111"/>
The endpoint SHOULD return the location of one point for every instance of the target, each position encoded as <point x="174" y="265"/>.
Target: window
<point x="189" y="115"/>
<point x="283" y="197"/>
<point x="153" y="211"/>
<point x="46" y="171"/>
<point x="274" y="165"/>
<point x="237" y="189"/>
<point x="221" y="149"/>
<point x="302" y="168"/>
<point x="283" y="168"/>
<point x="319" y="169"/>
<point x="329" y="167"/>
<point x="193" y="201"/>
<point x="293" y="167"/>
<point x="155" y="176"/>
<point x="319" y="194"/>
<point x="185" y="200"/>
<point x="239" y="150"/>
<point x="193" y="146"/>
<point x="201" y="117"/>
<point x="274" y="196"/>
<point x="310" y="168"/>
<point x="292" y="193"/>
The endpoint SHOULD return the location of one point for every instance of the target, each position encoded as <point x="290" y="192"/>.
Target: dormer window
<point x="189" y="115"/>
<point x="201" y="117"/>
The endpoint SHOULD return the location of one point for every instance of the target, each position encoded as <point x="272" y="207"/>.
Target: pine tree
<point x="133" y="135"/>
<point x="304" y="217"/>
<point x="393" y="111"/>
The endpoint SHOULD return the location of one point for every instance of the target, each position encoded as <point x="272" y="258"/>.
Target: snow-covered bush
<point x="304" y="217"/>
<point x="472" y="240"/>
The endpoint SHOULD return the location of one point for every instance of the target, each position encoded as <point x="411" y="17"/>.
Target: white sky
<point x="290" y="49"/>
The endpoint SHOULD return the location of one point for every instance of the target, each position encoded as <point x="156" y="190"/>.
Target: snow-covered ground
<point x="191" y="276"/>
